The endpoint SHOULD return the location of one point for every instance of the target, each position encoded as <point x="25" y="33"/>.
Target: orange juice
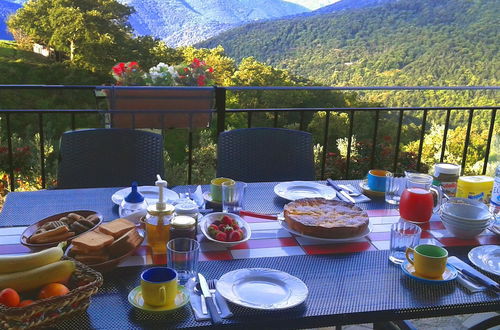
<point x="158" y="233"/>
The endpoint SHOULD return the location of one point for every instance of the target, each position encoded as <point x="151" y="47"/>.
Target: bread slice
<point x="92" y="241"/>
<point x="116" y="228"/>
<point x="123" y="244"/>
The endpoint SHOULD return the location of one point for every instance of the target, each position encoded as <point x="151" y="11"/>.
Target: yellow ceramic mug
<point x="159" y="286"/>
<point x="428" y="260"/>
<point x="216" y="188"/>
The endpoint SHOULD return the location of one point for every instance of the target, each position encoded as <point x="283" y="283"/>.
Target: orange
<point x="52" y="290"/>
<point x="9" y="297"/>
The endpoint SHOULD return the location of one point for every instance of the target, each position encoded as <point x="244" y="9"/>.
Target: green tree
<point x="93" y="33"/>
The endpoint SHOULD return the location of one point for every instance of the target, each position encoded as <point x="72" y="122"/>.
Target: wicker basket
<point x="83" y="283"/>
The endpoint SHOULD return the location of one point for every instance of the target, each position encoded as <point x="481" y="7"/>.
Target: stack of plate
<point x="465" y="218"/>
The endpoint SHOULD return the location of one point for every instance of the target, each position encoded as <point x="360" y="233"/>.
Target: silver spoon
<point x="350" y="191"/>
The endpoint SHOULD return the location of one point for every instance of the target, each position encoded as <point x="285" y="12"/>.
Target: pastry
<point x="323" y="218"/>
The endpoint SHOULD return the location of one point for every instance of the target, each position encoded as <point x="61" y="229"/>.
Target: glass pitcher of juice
<point x="417" y="201"/>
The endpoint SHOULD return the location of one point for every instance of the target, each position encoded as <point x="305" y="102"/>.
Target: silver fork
<point x="213" y="290"/>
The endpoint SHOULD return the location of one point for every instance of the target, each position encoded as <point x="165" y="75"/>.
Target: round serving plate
<point x="303" y="189"/>
<point x="150" y="194"/>
<point x="262" y="288"/>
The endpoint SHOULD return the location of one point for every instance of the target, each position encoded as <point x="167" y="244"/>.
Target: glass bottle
<point x="183" y="226"/>
<point x="495" y="194"/>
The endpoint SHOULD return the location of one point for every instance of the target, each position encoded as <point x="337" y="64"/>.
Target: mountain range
<point x="6" y="8"/>
<point x="404" y="42"/>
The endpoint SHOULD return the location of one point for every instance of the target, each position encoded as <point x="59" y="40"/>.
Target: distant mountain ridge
<point x="6" y="9"/>
<point x="185" y="22"/>
<point x="399" y="42"/>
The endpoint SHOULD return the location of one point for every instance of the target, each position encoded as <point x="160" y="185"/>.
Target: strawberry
<point x="213" y="227"/>
<point x="217" y="223"/>
<point x="221" y="236"/>
<point x="213" y="233"/>
<point x="222" y="226"/>
<point x="235" y="225"/>
<point x="228" y="229"/>
<point x="227" y="220"/>
<point x="235" y="236"/>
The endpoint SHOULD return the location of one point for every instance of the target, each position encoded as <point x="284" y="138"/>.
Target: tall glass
<point x="403" y="235"/>
<point x="392" y="189"/>
<point x="182" y="255"/>
<point x="417" y="201"/>
<point x="233" y="196"/>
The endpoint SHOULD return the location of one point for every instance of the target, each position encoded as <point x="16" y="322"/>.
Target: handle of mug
<point x="407" y="253"/>
<point x="439" y="193"/>
<point x="163" y="295"/>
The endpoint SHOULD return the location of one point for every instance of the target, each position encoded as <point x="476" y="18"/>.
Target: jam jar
<point x="183" y="226"/>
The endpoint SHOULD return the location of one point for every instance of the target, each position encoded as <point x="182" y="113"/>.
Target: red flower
<point x="210" y="69"/>
<point x="201" y="80"/>
<point x="197" y="63"/>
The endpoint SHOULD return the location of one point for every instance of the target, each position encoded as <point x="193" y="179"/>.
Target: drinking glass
<point x="403" y="235"/>
<point x="392" y="189"/>
<point x="233" y="196"/>
<point x="182" y="255"/>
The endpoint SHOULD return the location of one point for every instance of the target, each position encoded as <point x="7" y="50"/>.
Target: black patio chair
<point x="265" y="154"/>
<point x="108" y="157"/>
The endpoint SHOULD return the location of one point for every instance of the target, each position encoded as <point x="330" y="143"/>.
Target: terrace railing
<point x="221" y="113"/>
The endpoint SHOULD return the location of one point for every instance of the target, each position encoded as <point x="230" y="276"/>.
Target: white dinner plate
<point x="150" y="194"/>
<point x="303" y="189"/>
<point x="262" y="288"/>
<point x="331" y="240"/>
<point x="486" y="257"/>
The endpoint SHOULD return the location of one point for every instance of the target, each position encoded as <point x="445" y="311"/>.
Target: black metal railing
<point x="222" y="112"/>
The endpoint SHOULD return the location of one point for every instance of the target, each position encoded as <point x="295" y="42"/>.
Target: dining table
<point x="348" y="281"/>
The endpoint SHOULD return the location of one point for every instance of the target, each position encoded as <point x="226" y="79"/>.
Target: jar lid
<point x="186" y="207"/>
<point x="182" y="221"/>
<point x="167" y="209"/>
<point x="446" y="168"/>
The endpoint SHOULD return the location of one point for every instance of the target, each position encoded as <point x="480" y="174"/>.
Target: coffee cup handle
<point x="408" y="251"/>
<point x="163" y="295"/>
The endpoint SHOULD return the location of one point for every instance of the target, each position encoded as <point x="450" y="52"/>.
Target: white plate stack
<point x="465" y="218"/>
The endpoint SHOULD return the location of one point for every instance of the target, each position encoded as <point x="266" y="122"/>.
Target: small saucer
<point x="207" y="196"/>
<point x="449" y="274"/>
<point x="367" y="191"/>
<point x="135" y="298"/>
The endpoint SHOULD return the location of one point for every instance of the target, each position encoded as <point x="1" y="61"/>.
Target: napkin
<point x="358" y="199"/>
<point x="197" y="197"/>
<point x="195" y="300"/>
<point x="470" y="286"/>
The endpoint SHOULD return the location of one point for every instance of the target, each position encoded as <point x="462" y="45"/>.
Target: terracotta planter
<point x="166" y="107"/>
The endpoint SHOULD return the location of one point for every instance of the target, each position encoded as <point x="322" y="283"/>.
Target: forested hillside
<point x="425" y="42"/>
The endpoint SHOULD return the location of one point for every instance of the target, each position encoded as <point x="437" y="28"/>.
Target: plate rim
<point x="118" y="193"/>
<point x="283" y="223"/>
<point x="452" y="268"/>
<point x="24" y="238"/>
<point x="182" y="288"/>
<point x="481" y="266"/>
<point x="310" y="183"/>
<point x="263" y="307"/>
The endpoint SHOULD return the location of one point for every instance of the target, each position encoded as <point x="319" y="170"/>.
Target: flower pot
<point x="173" y="107"/>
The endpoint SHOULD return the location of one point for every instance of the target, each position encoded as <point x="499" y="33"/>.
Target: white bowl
<point x="466" y="223"/>
<point x="210" y="218"/>
<point x="465" y="233"/>
<point x="465" y="226"/>
<point x="466" y="209"/>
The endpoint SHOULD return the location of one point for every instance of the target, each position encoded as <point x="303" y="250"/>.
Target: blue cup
<point x="377" y="179"/>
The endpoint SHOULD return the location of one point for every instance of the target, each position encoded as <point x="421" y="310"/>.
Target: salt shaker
<point x="133" y="202"/>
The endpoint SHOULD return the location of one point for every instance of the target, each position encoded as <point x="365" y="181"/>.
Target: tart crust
<point x="323" y="218"/>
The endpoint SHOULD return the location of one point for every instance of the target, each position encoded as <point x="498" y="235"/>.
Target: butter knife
<point x="205" y="290"/>
<point x="342" y="194"/>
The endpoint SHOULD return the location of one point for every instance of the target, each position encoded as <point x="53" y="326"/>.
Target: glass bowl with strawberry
<point x="225" y="228"/>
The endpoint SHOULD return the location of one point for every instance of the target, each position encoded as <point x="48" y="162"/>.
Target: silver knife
<point x="342" y="194"/>
<point x="205" y="290"/>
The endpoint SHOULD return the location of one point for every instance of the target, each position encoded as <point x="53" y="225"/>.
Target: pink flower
<point x="201" y="80"/>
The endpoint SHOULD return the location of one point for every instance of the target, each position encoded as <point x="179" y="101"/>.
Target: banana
<point x="18" y="263"/>
<point x="35" y="278"/>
